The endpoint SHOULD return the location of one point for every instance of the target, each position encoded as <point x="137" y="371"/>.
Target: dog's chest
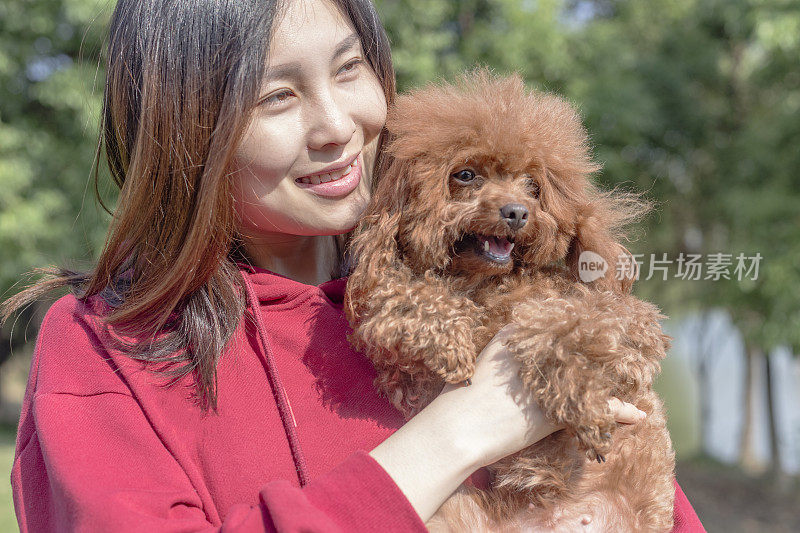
<point x="498" y="300"/>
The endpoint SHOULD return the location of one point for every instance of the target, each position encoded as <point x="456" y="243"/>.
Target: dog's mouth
<point x="495" y="249"/>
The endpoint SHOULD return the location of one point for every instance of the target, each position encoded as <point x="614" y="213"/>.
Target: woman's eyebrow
<point x="286" y="70"/>
<point x="349" y="42"/>
<point x="293" y="69"/>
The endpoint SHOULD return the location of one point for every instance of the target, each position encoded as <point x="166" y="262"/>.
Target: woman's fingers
<point x="624" y="412"/>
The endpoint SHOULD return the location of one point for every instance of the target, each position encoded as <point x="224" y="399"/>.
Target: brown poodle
<point x="482" y="212"/>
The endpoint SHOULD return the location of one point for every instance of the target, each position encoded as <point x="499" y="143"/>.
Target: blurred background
<point x="695" y="102"/>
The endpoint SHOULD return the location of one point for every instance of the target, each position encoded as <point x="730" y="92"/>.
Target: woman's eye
<point x="351" y="66"/>
<point x="463" y="176"/>
<point x="278" y="98"/>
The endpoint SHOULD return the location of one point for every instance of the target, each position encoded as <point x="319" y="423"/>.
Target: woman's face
<point x="305" y="162"/>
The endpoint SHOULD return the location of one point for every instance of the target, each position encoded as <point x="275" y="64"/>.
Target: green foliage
<point x="438" y="39"/>
<point x="8" y="520"/>
<point x="50" y="90"/>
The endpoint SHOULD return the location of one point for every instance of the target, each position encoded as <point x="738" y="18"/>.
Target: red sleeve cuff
<point x="355" y="496"/>
<point x="364" y="497"/>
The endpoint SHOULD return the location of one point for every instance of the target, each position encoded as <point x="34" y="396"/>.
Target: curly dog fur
<point x="482" y="211"/>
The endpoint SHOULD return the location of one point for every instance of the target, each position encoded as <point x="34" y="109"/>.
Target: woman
<point x="201" y="378"/>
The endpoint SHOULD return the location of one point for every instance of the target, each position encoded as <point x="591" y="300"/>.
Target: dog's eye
<point x="463" y="176"/>
<point x="533" y="187"/>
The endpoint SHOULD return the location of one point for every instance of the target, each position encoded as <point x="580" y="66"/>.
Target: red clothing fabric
<point x="685" y="519"/>
<point x="103" y="444"/>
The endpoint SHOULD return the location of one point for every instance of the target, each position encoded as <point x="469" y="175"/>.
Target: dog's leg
<point x="633" y="490"/>
<point x="643" y="465"/>
<point x="413" y="330"/>
<point x="464" y="511"/>
<point x="545" y="473"/>
<point x="645" y="345"/>
<point x="578" y="351"/>
<point x="408" y="392"/>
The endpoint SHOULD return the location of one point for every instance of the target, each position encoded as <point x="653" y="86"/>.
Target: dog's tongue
<point x="498" y="246"/>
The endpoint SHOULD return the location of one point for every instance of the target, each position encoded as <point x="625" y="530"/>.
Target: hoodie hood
<point x="322" y="387"/>
<point x="270" y="287"/>
<point x="264" y="286"/>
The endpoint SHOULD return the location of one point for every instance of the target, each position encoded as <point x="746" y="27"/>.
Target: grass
<point x="678" y="389"/>
<point x="8" y="520"/>
<point x="727" y="499"/>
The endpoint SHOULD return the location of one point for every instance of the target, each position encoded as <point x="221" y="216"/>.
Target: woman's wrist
<point x="430" y="456"/>
<point x="460" y="425"/>
<point x="483" y="409"/>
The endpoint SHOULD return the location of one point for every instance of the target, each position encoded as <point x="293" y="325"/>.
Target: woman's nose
<point x="331" y="123"/>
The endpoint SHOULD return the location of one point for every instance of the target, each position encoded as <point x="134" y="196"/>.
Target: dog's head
<point x="484" y="177"/>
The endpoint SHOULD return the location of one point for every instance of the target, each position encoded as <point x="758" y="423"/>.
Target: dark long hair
<point x="182" y="79"/>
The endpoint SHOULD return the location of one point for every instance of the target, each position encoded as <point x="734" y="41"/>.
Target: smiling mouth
<point x="331" y="176"/>
<point x="494" y="249"/>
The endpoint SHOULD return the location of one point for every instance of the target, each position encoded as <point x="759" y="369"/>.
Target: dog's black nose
<point x="515" y="215"/>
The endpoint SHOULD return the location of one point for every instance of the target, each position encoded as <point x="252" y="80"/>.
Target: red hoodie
<point x="103" y="446"/>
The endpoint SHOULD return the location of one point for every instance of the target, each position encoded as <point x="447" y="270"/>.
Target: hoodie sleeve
<point x="94" y="464"/>
<point x="685" y="519"/>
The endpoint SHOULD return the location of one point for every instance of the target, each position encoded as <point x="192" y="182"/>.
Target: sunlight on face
<point x="305" y="163"/>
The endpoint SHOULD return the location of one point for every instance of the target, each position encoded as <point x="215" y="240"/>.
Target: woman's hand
<point x="498" y="416"/>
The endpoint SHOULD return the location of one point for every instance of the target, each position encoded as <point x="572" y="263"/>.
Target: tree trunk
<point x="774" y="450"/>
<point x="703" y="357"/>
<point x="747" y="457"/>
<point x="705" y="407"/>
<point x="782" y="479"/>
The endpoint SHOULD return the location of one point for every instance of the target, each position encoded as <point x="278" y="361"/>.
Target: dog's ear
<point x="596" y="256"/>
<point x="374" y="248"/>
<point x="429" y="224"/>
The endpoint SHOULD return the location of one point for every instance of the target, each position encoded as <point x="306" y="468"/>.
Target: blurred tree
<point x="437" y="39"/>
<point x="50" y="91"/>
<point x="697" y="102"/>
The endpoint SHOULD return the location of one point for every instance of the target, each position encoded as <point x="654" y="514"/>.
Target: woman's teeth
<point x="325" y="178"/>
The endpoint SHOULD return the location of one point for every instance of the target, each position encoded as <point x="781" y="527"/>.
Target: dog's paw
<point x="405" y="399"/>
<point x="596" y="441"/>
<point x="453" y="368"/>
<point x="457" y="375"/>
